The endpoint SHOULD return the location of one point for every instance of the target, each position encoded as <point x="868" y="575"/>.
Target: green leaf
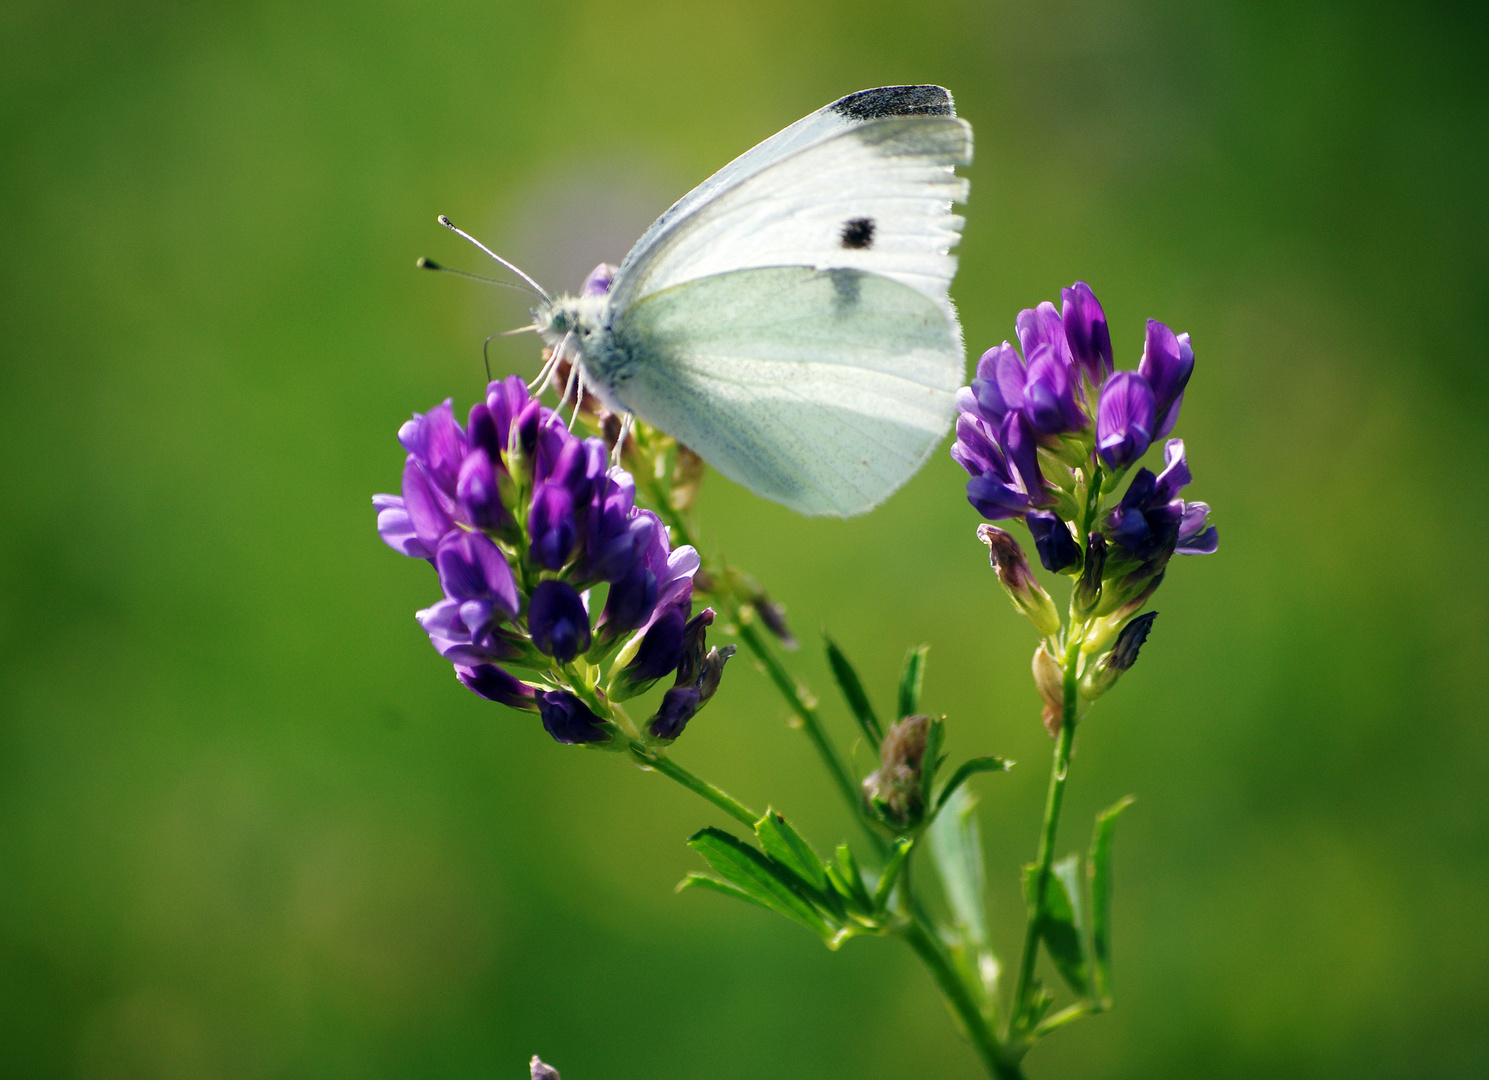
<point x="911" y="677"/>
<point x="956" y="849"/>
<point x="892" y="867"/>
<point x="751" y="872"/>
<point x="932" y="761"/>
<point x="1101" y="898"/>
<point x="1064" y="927"/>
<point x="789" y="848"/>
<point x="853" y="692"/>
<point x="966" y="769"/>
<point x="851" y="877"/>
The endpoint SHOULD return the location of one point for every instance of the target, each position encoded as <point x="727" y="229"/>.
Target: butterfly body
<point x="789" y="318"/>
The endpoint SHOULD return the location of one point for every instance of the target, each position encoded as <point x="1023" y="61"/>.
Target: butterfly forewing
<point x="876" y="196"/>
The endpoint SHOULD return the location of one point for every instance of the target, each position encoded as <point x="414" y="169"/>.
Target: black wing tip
<point x="895" y="101"/>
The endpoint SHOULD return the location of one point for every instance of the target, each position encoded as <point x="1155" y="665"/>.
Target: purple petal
<point x="1167" y="363"/>
<point x="551" y="525"/>
<point x="599" y="280"/>
<point x="558" y="621"/>
<point x="1124" y="420"/>
<point x="1175" y="476"/>
<point x="396" y="529"/>
<point x="1086" y="331"/>
<point x="976" y="450"/>
<point x="1057" y="548"/>
<point x="477" y="491"/>
<point x="1042" y="326"/>
<point x="426" y="513"/>
<point x="444" y="447"/>
<point x="505" y="399"/>
<point x="568" y="719"/>
<point x="494" y="684"/>
<point x="471" y="567"/>
<point x="1017" y="437"/>
<point x="994" y="499"/>
<point x="1206" y="543"/>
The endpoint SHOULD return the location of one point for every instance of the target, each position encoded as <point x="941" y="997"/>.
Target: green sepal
<point x="766" y="884"/>
<point x="853" y="692"/>
<point x="852" y="879"/>
<point x="789" y="848"/>
<point x="1101" y="899"/>
<point x="892" y="867"/>
<point x="964" y="770"/>
<point x="911" y="678"/>
<point x="1062" y="925"/>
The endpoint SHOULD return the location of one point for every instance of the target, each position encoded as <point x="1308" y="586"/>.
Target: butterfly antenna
<point x="447" y="223"/>
<point x="429" y="264"/>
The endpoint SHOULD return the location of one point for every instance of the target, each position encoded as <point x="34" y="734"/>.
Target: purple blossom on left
<point x="523" y="520"/>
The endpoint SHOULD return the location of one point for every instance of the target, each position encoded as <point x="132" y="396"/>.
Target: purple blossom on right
<point x="1048" y="437"/>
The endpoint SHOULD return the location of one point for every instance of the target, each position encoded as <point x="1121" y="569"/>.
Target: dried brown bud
<point x="1018" y="580"/>
<point x="894" y="789"/>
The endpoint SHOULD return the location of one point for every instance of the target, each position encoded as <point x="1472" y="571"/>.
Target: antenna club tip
<point x="427" y="264"/>
<point x="444" y="221"/>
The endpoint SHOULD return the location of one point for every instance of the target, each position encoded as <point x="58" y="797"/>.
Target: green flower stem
<point x="1018" y="1021"/>
<point x="927" y="945"/>
<point x="798" y="697"/>
<point x="657" y="759"/>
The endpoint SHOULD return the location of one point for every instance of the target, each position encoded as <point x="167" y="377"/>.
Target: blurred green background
<point x="251" y="827"/>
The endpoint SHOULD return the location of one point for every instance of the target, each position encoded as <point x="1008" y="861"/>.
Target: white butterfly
<point x="788" y="318"/>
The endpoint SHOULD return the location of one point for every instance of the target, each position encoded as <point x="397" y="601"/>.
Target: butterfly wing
<point x="830" y="120"/>
<point x="824" y="390"/>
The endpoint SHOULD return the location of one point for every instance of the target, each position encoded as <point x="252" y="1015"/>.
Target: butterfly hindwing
<point x="824" y="390"/>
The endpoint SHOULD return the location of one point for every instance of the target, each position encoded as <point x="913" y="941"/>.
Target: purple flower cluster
<point x="521" y="519"/>
<point x="1026" y="423"/>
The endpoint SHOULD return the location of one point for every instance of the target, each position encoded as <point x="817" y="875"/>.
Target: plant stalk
<point x="658" y="760"/>
<point x="1019" y="1021"/>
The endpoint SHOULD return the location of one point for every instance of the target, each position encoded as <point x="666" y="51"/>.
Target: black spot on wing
<point x="858" y="233"/>
<point x="895" y="101"/>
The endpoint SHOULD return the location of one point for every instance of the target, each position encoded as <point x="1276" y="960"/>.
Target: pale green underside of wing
<point x="824" y="390"/>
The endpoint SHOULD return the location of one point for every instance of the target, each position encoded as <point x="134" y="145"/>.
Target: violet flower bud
<point x="1102" y="675"/>
<point x="1086" y="332"/>
<point x="1049" y="395"/>
<point x="658" y="653"/>
<point x="396" y="528"/>
<point x="478" y="492"/>
<point x="428" y="514"/>
<point x="558" y="622"/>
<point x="1194" y="537"/>
<point x="1124" y="420"/>
<point x="568" y="719"/>
<point x="630" y="603"/>
<point x="1088" y="588"/>
<point x="473" y="571"/>
<point x="1017" y="579"/>
<point x="1057" y="549"/>
<point x="599" y="281"/>
<point x="494" y="684"/>
<point x="894" y="790"/>
<point x="1167" y="363"/>
<point x="551" y="525"/>
<point x="698" y="676"/>
<point x="541" y="1070"/>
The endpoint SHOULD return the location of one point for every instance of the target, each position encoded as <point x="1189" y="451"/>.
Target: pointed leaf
<point x="787" y="846"/>
<point x="956" y="849"/>
<point x="892" y="867"/>
<point x="1064" y="925"/>
<point x="853" y="878"/>
<point x="911" y="678"/>
<point x="751" y="872"/>
<point x="966" y="769"/>
<point x="853" y="692"/>
<point x="1101" y="897"/>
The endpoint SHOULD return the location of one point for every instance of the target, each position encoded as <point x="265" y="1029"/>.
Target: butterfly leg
<point x="627" y="423"/>
<point x="553" y="361"/>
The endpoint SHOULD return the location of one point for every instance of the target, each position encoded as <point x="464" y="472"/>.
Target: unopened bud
<point x="1049" y="677"/>
<point x="893" y="790"/>
<point x="687" y="478"/>
<point x="1104" y="673"/>
<point x="541" y="1070"/>
<point x="1104" y="629"/>
<point x="774" y="618"/>
<point x="698" y="675"/>
<point x="1018" y="581"/>
<point x="1088" y="588"/>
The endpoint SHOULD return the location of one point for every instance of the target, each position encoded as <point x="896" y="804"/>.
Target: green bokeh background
<point x="251" y="827"/>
